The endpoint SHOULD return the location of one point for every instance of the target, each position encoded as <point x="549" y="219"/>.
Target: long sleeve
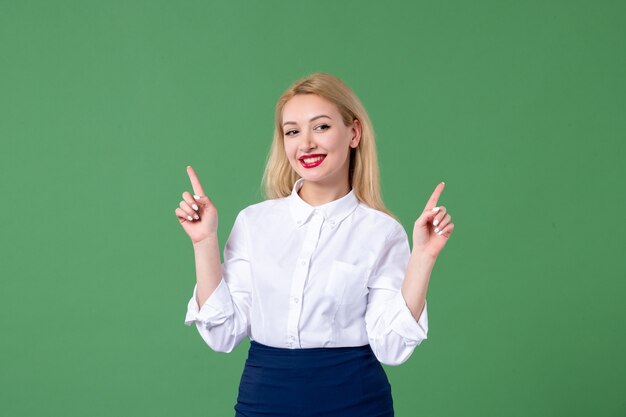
<point x="224" y="319"/>
<point x="392" y="331"/>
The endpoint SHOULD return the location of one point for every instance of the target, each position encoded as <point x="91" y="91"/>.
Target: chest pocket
<point x="347" y="283"/>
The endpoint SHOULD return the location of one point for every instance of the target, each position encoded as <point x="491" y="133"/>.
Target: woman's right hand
<point x="199" y="222"/>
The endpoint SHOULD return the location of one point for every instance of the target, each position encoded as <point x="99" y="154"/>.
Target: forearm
<point x="208" y="268"/>
<point x="415" y="285"/>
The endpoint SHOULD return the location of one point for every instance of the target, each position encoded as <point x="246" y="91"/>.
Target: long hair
<point x="364" y="178"/>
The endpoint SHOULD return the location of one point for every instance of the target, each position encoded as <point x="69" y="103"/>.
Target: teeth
<point x="311" y="160"/>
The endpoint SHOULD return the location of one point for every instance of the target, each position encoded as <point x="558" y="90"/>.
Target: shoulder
<point x="264" y="210"/>
<point x="380" y="221"/>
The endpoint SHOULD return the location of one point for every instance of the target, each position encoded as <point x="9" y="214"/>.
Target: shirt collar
<point x="333" y="212"/>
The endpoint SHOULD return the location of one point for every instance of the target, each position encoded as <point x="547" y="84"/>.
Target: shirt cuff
<point x="413" y="332"/>
<point x="216" y="309"/>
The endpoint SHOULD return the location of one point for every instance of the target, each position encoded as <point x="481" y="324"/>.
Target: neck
<point x="317" y="194"/>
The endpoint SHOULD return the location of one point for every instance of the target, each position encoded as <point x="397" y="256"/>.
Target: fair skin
<point x="313" y="126"/>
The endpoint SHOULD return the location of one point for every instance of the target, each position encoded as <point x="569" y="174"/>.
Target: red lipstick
<point x="318" y="158"/>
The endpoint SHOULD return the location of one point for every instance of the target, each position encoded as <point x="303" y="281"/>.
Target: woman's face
<point x="316" y="141"/>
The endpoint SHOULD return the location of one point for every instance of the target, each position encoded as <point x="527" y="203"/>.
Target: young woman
<point x="319" y="276"/>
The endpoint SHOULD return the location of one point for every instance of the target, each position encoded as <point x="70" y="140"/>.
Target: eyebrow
<point x="316" y="117"/>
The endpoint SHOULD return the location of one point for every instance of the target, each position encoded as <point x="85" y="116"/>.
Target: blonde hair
<point x="364" y="178"/>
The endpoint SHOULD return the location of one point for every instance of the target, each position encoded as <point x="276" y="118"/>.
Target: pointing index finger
<point x="434" y="198"/>
<point x="195" y="182"/>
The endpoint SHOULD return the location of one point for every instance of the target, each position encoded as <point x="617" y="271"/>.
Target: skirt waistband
<point x="269" y="356"/>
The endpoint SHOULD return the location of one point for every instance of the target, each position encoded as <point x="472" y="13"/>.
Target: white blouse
<point x="297" y="276"/>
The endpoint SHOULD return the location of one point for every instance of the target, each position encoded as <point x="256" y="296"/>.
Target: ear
<point x="357" y="129"/>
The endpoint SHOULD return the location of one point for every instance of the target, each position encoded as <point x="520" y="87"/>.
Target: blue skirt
<point x="329" y="382"/>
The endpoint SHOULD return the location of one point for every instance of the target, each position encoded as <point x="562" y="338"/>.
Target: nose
<point x="307" y="143"/>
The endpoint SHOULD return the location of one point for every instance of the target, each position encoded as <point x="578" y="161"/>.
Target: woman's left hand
<point x="433" y="228"/>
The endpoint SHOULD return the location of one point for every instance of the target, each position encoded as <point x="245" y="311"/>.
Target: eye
<point x="290" y="132"/>
<point x="323" y="126"/>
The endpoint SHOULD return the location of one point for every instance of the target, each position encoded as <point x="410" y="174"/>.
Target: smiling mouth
<point x="312" y="161"/>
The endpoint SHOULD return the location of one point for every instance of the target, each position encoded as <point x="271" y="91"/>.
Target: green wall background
<point x="517" y="106"/>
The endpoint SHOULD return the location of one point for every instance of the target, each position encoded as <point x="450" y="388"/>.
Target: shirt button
<point x="291" y="339"/>
<point x="303" y="262"/>
<point x="299" y="222"/>
<point x="296" y="300"/>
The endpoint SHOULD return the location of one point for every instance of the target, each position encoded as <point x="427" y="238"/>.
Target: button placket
<point x="300" y="275"/>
